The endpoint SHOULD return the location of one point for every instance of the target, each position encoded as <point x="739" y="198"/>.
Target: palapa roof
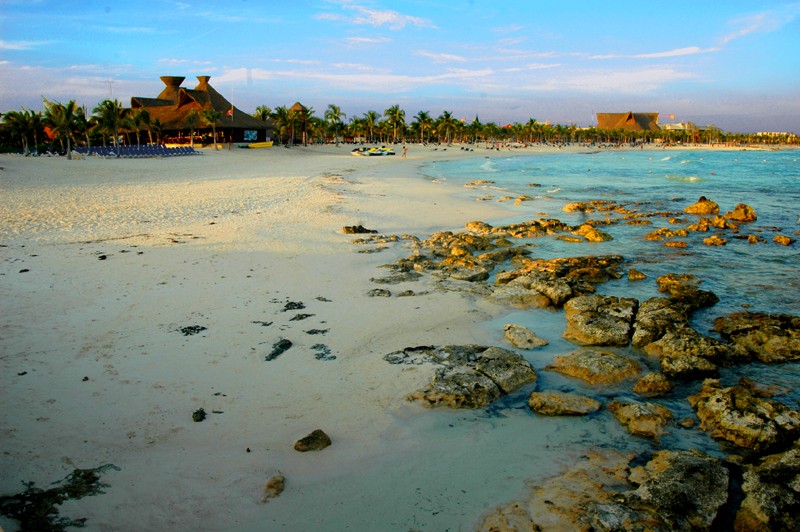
<point x="628" y="121"/>
<point x="175" y="102"/>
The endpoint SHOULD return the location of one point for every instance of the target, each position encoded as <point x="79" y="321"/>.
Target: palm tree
<point x="157" y="128"/>
<point x="109" y="118"/>
<point x="263" y="112"/>
<point x="211" y="117"/>
<point x="141" y="120"/>
<point x="191" y="119"/>
<point x="424" y="124"/>
<point x="17" y="123"/>
<point x="83" y="125"/>
<point x="370" y="121"/>
<point x="446" y="126"/>
<point x="356" y="127"/>
<point x="333" y="117"/>
<point x="396" y="118"/>
<point x="62" y="120"/>
<point x="282" y="121"/>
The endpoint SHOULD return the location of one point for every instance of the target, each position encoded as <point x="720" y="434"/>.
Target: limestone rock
<point x="772" y="494"/>
<point x="636" y="275"/>
<point x="687" y="354"/>
<point x="522" y="337"/>
<point x="702" y="206"/>
<point x="675" y="490"/>
<point x="715" y="240"/>
<point x="687" y="489"/>
<point x="316" y="441"/>
<point x="742" y="213"/>
<point x="641" y="419"/>
<point x="655" y="317"/>
<point x="653" y="385"/>
<point x="357" y="229"/>
<point x="479" y="227"/>
<point x="599" y="320"/>
<point x="767" y="337"/>
<point x="592" y="234"/>
<point x="783" y="240"/>
<point x="596" y="367"/>
<point x="470" y="376"/>
<point x="736" y="415"/>
<point x="554" y="403"/>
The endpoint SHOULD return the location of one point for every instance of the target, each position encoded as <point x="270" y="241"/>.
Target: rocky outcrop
<point x="470" y="376"/>
<point x="772" y="494"/>
<point x="675" y="490"/>
<point x="557" y="280"/>
<point x="742" y="213"/>
<point x="596" y="367"/>
<point x="766" y="337"/>
<point x="655" y="317"/>
<point x="743" y="419"/>
<point x="600" y="320"/>
<point x="653" y="385"/>
<point x="702" y="206"/>
<point x="641" y="419"/>
<point x="552" y="403"/>
<point x="684" y="289"/>
<point x="687" y="354"/>
<point x="522" y="337"/>
<point x="685" y="490"/>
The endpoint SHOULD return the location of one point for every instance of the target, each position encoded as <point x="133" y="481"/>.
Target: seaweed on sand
<point x="36" y="509"/>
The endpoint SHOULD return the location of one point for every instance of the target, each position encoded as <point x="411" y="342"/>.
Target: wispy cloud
<point x="677" y="52"/>
<point x="632" y="81"/>
<point x="356" y="41"/>
<point x="176" y="62"/>
<point x="765" y="22"/>
<point x="124" y="29"/>
<point x="440" y="57"/>
<point x="365" y="16"/>
<point x="22" y="45"/>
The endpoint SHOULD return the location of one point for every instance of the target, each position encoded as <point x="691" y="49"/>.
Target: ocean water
<point x="470" y="461"/>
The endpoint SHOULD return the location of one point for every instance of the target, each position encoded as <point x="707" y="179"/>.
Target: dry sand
<point x="104" y="261"/>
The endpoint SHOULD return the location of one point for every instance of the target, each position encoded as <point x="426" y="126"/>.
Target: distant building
<point x="175" y="102"/>
<point x="628" y="121"/>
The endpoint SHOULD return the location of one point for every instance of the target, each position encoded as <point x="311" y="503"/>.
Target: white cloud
<point x="677" y="52"/>
<point x="22" y="45"/>
<point x="441" y="58"/>
<point x="633" y="81"/>
<point x="364" y="16"/>
<point x="765" y="22"/>
<point x="355" y="41"/>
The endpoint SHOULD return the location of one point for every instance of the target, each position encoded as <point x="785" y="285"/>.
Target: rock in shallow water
<point x="596" y="367"/>
<point x="522" y="337"/>
<point x="554" y="403"/>
<point x="599" y="320"/>
<point x="470" y="376"/>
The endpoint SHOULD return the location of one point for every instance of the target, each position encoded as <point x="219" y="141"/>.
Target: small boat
<point x="255" y="145"/>
<point x="372" y="152"/>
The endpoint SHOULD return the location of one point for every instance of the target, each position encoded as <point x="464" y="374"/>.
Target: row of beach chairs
<point x="135" y="152"/>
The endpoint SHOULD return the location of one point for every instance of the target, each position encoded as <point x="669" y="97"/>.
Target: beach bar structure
<point x="629" y="121"/>
<point x="175" y="102"/>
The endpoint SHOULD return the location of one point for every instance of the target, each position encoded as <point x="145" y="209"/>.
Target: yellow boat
<point x="255" y="145"/>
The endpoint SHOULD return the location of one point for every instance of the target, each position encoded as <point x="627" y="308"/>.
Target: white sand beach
<point x="104" y="261"/>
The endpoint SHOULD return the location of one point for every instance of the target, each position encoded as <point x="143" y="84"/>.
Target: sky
<point x="734" y="64"/>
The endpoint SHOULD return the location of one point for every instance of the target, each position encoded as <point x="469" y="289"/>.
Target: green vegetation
<point x="60" y="126"/>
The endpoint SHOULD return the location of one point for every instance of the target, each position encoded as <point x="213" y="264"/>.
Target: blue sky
<point x="735" y="64"/>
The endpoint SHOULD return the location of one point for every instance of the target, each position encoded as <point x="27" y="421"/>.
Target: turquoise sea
<point x="470" y="461"/>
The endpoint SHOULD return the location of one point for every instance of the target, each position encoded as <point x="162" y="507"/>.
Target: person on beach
<point x="405" y="151"/>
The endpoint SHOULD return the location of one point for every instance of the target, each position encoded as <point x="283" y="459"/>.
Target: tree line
<point x="65" y="125"/>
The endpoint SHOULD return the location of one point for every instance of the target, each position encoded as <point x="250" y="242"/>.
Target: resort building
<point x="174" y="103"/>
<point x="628" y="121"/>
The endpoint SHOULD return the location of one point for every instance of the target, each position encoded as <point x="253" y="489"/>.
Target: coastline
<point x="96" y="370"/>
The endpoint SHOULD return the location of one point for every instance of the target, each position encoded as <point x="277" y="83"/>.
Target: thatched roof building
<point x="628" y="121"/>
<point x="175" y="102"/>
